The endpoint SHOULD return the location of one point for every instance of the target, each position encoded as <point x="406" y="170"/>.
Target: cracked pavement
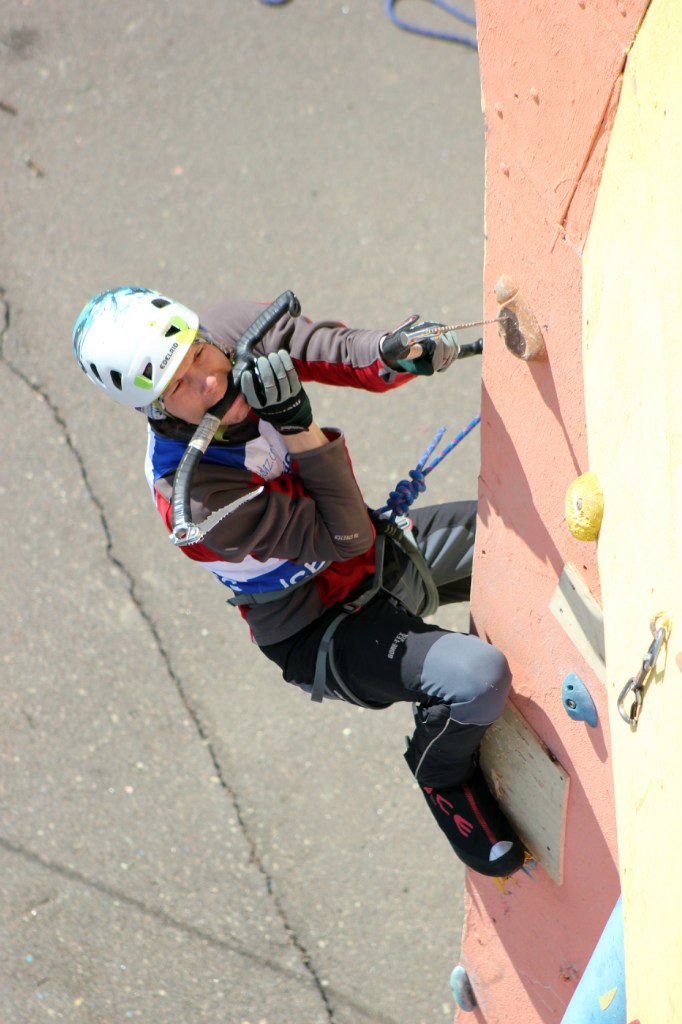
<point x="183" y="837"/>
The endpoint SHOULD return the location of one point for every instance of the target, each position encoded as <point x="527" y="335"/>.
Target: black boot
<point x="476" y="827"/>
<point x="468" y="813"/>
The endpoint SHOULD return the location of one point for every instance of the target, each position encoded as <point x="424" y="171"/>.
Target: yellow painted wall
<point x="632" y="351"/>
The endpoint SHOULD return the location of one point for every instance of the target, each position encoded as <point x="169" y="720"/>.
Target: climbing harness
<point x="635" y="687"/>
<point x="400" y="534"/>
<point x="450" y="37"/>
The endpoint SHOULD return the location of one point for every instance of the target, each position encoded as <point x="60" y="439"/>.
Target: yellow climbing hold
<point x="584" y="507"/>
<point x="608" y="997"/>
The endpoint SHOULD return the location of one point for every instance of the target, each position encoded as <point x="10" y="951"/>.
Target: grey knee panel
<point x="469" y="675"/>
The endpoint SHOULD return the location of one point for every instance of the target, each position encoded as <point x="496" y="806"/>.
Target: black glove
<point x="273" y="390"/>
<point x="432" y="354"/>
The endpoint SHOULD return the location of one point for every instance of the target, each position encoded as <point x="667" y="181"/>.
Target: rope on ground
<point x="406" y="491"/>
<point x="450" y="37"/>
<point x="408" y="26"/>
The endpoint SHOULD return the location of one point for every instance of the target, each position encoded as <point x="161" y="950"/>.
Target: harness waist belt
<point x="384" y="528"/>
<point x="268" y="596"/>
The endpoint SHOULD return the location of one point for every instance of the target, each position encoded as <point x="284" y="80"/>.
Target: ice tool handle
<point x="183" y="530"/>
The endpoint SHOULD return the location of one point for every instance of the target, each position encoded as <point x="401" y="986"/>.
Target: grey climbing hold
<point x="517" y="324"/>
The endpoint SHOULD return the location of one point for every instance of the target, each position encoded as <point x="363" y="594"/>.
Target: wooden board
<point x="633" y="372"/>
<point x="530" y="785"/>
<point x="580" y="616"/>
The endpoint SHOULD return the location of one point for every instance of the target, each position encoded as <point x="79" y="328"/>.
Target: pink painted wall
<point x="551" y="79"/>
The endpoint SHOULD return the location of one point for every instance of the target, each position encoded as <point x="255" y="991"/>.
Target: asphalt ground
<point x="183" y="837"/>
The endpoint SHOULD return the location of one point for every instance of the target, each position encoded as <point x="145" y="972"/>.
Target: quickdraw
<point x="635" y="687"/>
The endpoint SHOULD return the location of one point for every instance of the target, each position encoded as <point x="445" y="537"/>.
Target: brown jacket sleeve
<point x="324" y="351"/>
<point x="315" y="513"/>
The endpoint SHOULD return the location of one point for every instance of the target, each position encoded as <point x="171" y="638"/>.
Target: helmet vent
<point x="116" y="379"/>
<point x="96" y="372"/>
<point x="160" y="303"/>
<point x="172" y="330"/>
<point x="148" y="372"/>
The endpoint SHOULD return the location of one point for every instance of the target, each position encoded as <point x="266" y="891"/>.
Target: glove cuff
<point x="295" y="416"/>
<point x="287" y="429"/>
<point x="420" y="367"/>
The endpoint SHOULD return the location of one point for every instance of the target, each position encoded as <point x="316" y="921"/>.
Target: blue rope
<point x="406" y="491"/>
<point x="450" y="37"/>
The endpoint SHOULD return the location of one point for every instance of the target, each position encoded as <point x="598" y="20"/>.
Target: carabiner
<point x="638" y="683"/>
<point x="634" y="684"/>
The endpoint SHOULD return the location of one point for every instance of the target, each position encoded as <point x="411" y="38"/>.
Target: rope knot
<point x="406" y="491"/>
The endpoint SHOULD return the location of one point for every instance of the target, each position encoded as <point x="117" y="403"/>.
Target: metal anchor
<point x="637" y="684"/>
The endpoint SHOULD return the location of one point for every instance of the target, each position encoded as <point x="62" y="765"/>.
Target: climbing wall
<point x="551" y="79"/>
<point x="633" y="377"/>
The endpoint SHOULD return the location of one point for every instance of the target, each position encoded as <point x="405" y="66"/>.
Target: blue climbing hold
<point x="462" y="990"/>
<point x="577" y="701"/>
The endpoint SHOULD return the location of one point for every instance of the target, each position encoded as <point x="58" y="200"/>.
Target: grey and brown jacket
<point x="307" y="532"/>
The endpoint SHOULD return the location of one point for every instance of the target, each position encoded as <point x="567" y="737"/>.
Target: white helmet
<point x="130" y="342"/>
